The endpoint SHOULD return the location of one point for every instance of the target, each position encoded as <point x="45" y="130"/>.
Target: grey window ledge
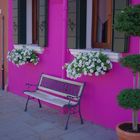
<point x="114" y="57"/>
<point x="33" y="47"/>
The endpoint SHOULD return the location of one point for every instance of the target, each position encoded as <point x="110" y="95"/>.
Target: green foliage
<point x="129" y="99"/>
<point x="132" y="61"/>
<point x="128" y="20"/>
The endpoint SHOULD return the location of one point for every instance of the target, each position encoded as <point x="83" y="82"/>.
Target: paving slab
<point x="43" y="124"/>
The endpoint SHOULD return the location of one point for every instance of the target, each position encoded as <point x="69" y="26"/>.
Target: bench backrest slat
<point x="60" y="86"/>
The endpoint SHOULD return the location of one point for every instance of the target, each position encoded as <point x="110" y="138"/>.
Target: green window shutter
<point x="22" y="21"/>
<point x="42" y="22"/>
<point x="72" y="24"/>
<point x="81" y="10"/>
<point x="15" y="21"/>
<point x="77" y="24"/>
<point x="119" y="40"/>
<point x="19" y="21"/>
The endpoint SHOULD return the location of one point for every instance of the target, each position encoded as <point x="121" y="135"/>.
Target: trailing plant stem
<point x="134" y="81"/>
<point x="138" y="80"/>
<point x="139" y="72"/>
<point x="135" y="120"/>
<point x="134" y="112"/>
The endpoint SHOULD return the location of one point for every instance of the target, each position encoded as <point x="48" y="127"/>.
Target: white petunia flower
<point x="85" y="73"/>
<point x="97" y="54"/>
<point x="104" y="68"/>
<point x="98" y="61"/>
<point x="111" y="65"/>
<point x="80" y="65"/>
<point x="89" y="74"/>
<point x="87" y="63"/>
<point x="108" y="62"/>
<point x="96" y="73"/>
<point x="102" y="64"/>
<point x="91" y="70"/>
<point x="93" y="65"/>
<point x="98" y="68"/>
<point x="102" y="72"/>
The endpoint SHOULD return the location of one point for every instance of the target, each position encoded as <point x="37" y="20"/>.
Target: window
<point x="30" y="22"/>
<point x="90" y="25"/>
<point x="102" y="24"/>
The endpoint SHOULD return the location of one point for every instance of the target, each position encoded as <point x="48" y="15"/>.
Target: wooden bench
<point x="59" y="92"/>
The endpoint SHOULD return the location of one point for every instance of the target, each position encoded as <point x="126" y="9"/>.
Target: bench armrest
<point x="31" y="85"/>
<point x="73" y="97"/>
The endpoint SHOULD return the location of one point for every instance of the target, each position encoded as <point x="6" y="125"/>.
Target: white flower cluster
<point x="89" y="63"/>
<point x="22" y="56"/>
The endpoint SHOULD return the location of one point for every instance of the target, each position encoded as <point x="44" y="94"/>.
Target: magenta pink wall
<point x="99" y="98"/>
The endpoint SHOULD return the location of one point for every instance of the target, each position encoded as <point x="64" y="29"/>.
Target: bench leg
<point x="66" y="127"/>
<point x="27" y="104"/>
<point x="80" y="115"/>
<point x="39" y="103"/>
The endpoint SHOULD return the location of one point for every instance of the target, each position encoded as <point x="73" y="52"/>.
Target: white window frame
<point x="28" y="21"/>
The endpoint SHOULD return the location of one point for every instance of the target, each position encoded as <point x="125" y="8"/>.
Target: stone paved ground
<point x="43" y="124"/>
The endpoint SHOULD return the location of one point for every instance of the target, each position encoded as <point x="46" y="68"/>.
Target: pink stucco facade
<point x="99" y="103"/>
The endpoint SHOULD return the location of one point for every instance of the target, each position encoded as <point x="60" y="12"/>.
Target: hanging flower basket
<point x="21" y="56"/>
<point x="89" y="63"/>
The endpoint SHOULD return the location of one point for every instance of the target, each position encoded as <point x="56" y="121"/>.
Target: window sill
<point x="33" y="47"/>
<point x="114" y="57"/>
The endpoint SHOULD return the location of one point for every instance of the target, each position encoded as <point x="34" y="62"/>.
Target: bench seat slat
<point x="49" y="98"/>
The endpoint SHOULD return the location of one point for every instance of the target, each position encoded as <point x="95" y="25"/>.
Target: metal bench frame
<point x="73" y="101"/>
